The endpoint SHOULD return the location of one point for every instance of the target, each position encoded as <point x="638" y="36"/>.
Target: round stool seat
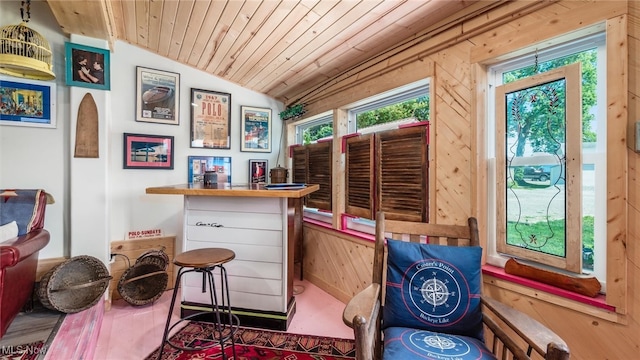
<point x="204" y="258"/>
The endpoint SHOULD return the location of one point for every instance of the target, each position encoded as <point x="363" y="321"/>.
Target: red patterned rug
<point x="254" y="344"/>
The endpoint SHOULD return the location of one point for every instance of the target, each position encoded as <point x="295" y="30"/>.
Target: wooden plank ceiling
<point x="282" y="48"/>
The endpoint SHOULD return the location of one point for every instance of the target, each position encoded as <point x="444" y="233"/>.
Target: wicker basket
<point x="157" y="257"/>
<point x="144" y="282"/>
<point x="74" y="285"/>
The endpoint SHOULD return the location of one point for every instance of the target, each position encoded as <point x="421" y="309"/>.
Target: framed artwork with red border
<point x="148" y="151"/>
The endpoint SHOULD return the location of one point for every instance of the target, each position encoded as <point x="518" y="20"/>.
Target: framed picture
<point x="210" y="119"/>
<point x="258" y="171"/>
<point x="157" y="96"/>
<point x="198" y="165"/>
<point x="256" y="129"/>
<point x="148" y="151"/>
<point x="27" y="102"/>
<point x="87" y="66"/>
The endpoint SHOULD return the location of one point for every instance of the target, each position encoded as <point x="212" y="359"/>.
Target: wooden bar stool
<point x="205" y="261"/>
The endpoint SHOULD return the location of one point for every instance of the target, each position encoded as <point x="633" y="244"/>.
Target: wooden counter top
<point x="237" y="190"/>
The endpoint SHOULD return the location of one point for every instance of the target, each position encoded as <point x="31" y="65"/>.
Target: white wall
<point x="34" y="157"/>
<point x="39" y="157"/>
<point x="131" y="207"/>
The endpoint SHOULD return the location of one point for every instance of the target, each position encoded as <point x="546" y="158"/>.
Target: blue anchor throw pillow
<point x="434" y="288"/>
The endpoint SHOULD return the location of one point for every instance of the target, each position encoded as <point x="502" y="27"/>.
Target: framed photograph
<point x="27" y="102"/>
<point x="256" y="129"/>
<point x="157" y="96"/>
<point x="210" y="119"/>
<point x="87" y="66"/>
<point x="198" y="165"/>
<point x="258" y="171"/>
<point x="148" y="151"/>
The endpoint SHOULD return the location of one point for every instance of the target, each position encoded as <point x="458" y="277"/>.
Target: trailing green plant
<point x="293" y="112"/>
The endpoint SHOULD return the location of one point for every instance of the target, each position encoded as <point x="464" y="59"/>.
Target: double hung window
<point x="547" y="163"/>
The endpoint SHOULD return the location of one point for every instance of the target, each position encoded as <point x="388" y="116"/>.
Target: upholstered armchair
<point x="21" y="237"/>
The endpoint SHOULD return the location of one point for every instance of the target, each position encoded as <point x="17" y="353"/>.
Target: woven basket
<point x="144" y="282"/>
<point x="157" y="257"/>
<point x="74" y="285"/>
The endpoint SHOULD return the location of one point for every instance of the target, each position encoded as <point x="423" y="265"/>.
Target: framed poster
<point x="27" y="102"/>
<point x="258" y="171"/>
<point x="157" y="96"/>
<point x="256" y="129"/>
<point x="198" y="165"/>
<point x="210" y="119"/>
<point x="148" y="151"/>
<point x="87" y="66"/>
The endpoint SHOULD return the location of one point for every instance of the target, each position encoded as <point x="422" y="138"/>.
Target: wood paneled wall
<point x="342" y="265"/>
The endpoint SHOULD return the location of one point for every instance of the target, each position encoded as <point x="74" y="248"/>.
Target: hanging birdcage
<point x="23" y="51"/>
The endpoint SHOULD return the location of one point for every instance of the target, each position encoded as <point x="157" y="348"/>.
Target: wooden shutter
<point x="319" y="170"/>
<point x="359" y="191"/>
<point x="299" y="174"/>
<point x="402" y="173"/>
<point x="299" y="163"/>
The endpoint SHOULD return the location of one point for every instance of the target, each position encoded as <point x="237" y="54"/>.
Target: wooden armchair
<point x="505" y="332"/>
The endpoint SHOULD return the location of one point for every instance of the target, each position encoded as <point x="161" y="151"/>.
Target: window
<point x="313" y="129"/>
<point x="547" y="161"/>
<point x="386" y="163"/>
<point x="373" y="156"/>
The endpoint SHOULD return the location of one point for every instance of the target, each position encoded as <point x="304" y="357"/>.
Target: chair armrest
<point x="21" y="247"/>
<point x="362" y="304"/>
<point x="362" y="314"/>
<point x="538" y="336"/>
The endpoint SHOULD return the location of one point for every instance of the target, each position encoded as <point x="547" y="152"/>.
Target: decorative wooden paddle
<point x="589" y="286"/>
<point x="87" y="129"/>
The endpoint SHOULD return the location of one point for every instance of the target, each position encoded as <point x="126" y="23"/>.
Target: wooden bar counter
<point x="263" y="227"/>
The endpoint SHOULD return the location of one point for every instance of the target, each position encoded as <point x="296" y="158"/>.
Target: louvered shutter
<point x="359" y="191"/>
<point x="299" y="173"/>
<point x="402" y="173"/>
<point x="319" y="170"/>
<point x="299" y="160"/>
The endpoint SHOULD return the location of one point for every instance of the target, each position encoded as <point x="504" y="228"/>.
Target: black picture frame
<point x="142" y="151"/>
<point x="198" y="165"/>
<point x="157" y="96"/>
<point x="255" y="129"/>
<point x="210" y="119"/>
<point x="258" y="171"/>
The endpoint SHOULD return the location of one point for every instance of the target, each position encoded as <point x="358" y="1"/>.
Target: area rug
<point x="22" y="352"/>
<point x="254" y="344"/>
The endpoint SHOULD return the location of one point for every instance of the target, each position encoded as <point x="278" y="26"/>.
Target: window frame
<point x="573" y="164"/>
<point x="494" y="75"/>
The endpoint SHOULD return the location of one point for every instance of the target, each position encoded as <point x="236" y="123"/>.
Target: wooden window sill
<point x="596" y="306"/>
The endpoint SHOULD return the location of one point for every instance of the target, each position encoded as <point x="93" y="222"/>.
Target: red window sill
<point x="353" y="233"/>
<point x="598" y="301"/>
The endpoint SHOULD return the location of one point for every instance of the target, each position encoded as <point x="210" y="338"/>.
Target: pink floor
<point x="129" y="332"/>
